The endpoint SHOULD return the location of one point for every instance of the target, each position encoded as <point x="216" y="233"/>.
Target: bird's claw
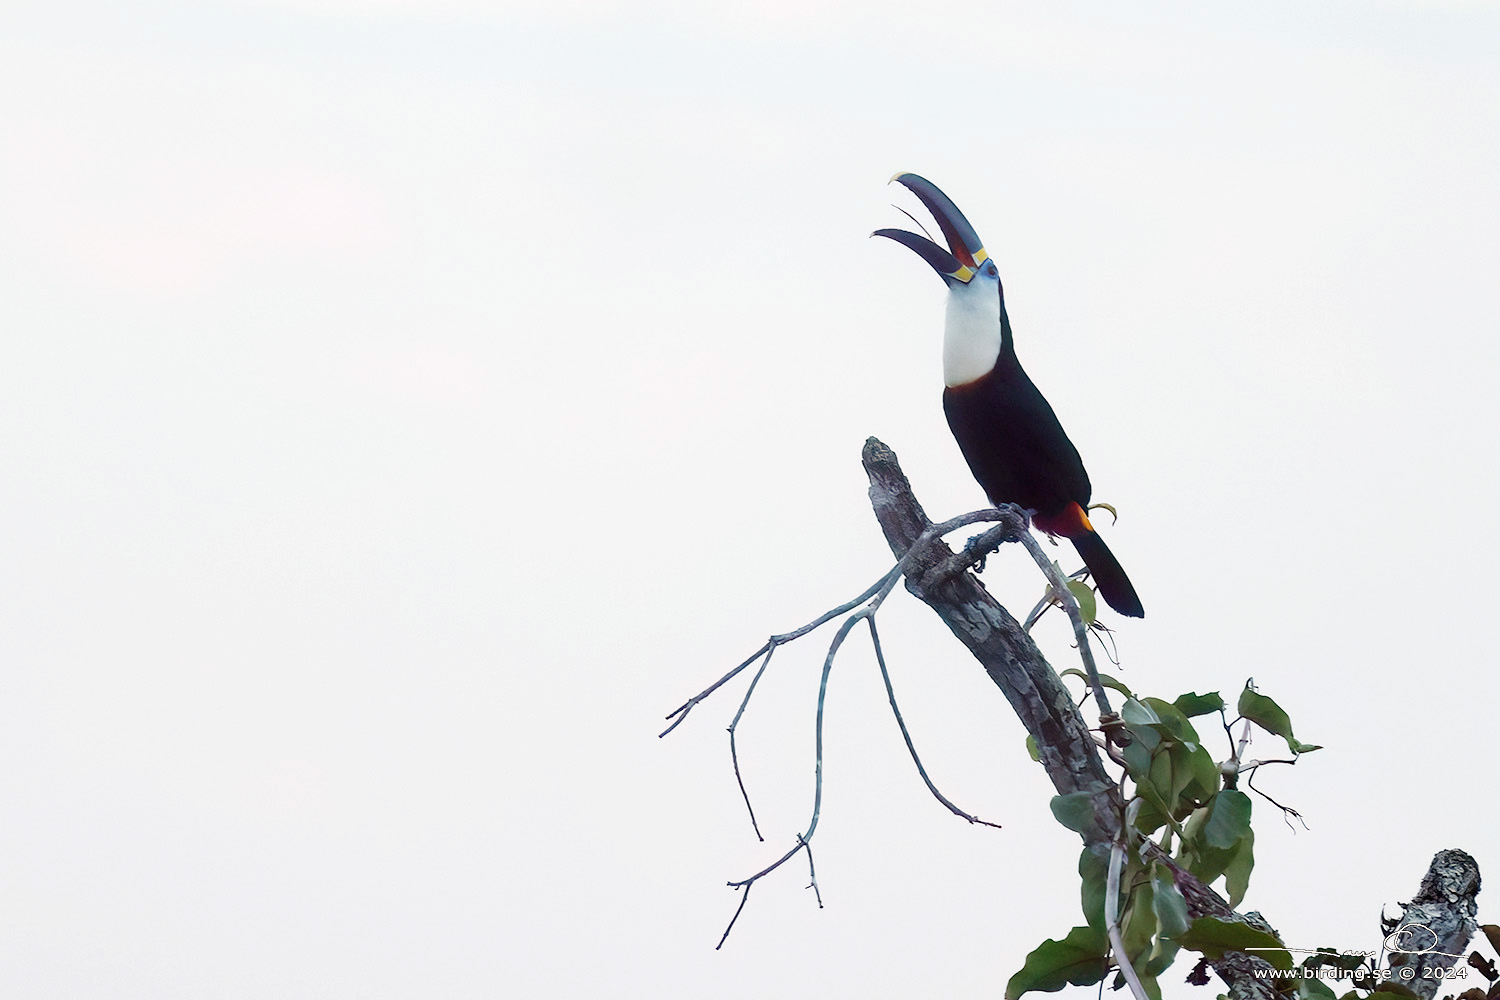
<point x="972" y="549"/>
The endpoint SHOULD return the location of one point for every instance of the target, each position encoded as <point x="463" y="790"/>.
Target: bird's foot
<point x="972" y="549"/>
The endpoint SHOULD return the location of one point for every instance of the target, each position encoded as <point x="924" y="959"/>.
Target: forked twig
<point x="962" y="562"/>
<point x="1287" y="812"/>
<point x="812" y="875"/>
<point x="874" y="596"/>
<point x="680" y="713"/>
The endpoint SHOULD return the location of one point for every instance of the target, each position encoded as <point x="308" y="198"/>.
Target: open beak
<point x="964" y="254"/>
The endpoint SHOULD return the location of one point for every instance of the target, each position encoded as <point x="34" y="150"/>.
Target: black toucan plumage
<point x="1005" y="427"/>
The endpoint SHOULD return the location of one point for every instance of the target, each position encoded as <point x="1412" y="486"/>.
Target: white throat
<point x="971" y="339"/>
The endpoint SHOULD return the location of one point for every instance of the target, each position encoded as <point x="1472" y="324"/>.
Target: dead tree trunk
<point x="1044" y="706"/>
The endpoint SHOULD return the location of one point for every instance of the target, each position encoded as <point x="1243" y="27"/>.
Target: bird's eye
<point x="989" y="269"/>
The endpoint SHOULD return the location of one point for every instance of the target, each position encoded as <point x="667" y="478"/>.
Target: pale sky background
<point x="407" y="404"/>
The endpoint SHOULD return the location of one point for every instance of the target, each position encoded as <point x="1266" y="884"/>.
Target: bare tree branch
<point x="1012" y="523"/>
<point x="745" y="884"/>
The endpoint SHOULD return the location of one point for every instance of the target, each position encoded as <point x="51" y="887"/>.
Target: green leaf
<point x="1093" y="870"/>
<point x="1148" y="983"/>
<point x="1270" y="716"/>
<point x="1036" y="754"/>
<point x="1138" y="924"/>
<point x="1209" y="863"/>
<point x="1264" y="712"/>
<point x="1171" y="908"/>
<point x="1074" y="811"/>
<point x="1171" y="918"/>
<point x="1332" y="958"/>
<point x="1154" y="804"/>
<point x="1199" y="704"/>
<point x="1228" y="819"/>
<point x="1206" y="776"/>
<point x="1137" y="757"/>
<point x="1088" y="605"/>
<point x="1175" y="722"/>
<point x="1160" y="960"/>
<point x="1212" y="937"/>
<point x="1190" y="768"/>
<point x="1078" y="960"/>
<point x="1237" y="872"/>
<point x="1135" y="713"/>
<point x="1148" y="737"/>
<point x="1172" y="773"/>
<point x="1149" y="818"/>
<point x="1313" y="988"/>
<point x="1113" y="683"/>
<point x="1164" y="777"/>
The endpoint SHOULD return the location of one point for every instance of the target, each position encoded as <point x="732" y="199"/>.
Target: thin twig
<point x="1228" y="727"/>
<point x="734" y="755"/>
<point x="1275" y="760"/>
<point x="1106" y="633"/>
<point x="768" y="869"/>
<point x="812" y="875"/>
<point x="905" y="735"/>
<point x="833" y="650"/>
<point x="1109" y="748"/>
<point x="1286" y="811"/>
<point x="680" y="713"/>
<point x="744" y="898"/>
<point x="1239" y="752"/>
<point x="745" y="884"/>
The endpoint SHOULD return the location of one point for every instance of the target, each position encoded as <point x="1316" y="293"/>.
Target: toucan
<point x="1013" y="442"/>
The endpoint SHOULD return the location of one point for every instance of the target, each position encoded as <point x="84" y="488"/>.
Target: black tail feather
<point x="1107" y="573"/>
